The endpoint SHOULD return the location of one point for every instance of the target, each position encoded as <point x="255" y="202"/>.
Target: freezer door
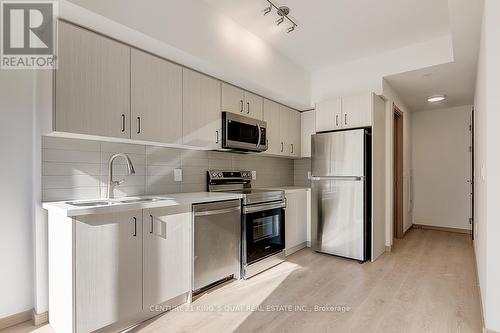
<point x="338" y="217"/>
<point x="338" y="153"/>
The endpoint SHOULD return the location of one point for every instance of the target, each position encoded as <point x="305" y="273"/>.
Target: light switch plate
<point x="178" y="175"/>
<point x="254" y="175"/>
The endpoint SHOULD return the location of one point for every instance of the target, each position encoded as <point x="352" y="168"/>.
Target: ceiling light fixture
<point x="436" y="98"/>
<point x="267" y="10"/>
<point x="282" y="12"/>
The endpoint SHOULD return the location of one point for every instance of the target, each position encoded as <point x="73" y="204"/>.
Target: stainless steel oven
<point x="263" y="233"/>
<point x="243" y="133"/>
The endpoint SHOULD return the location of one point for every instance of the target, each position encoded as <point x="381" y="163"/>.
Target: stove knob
<point x="219" y="174"/>
<point x="214" y="174"/>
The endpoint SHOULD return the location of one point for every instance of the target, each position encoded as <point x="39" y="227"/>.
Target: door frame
<point x="398" y="179"/>
<point x="472" y="180"/>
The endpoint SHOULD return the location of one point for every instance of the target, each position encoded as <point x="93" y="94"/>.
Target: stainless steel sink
<point x="90" y="203"/>
<point x="96" y="203"/>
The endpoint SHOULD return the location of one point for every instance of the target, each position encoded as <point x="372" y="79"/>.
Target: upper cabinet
<point x="156" y="99"/>
<point x="202" y="121"/>
<point x="294" y="132"/>
<point x="272" y="118"/>
<point x="92" y="84"/>
<point x="307" y="123"/>
<point x="346" y="112"/>
<point x="242" y="102"/>
<point x="283" y="128"/>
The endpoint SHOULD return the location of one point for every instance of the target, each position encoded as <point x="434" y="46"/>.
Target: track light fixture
<point x="267" y="10"/>
<point x="282" y="12"/>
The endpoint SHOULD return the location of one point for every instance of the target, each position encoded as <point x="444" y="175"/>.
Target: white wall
<point x="16" y="201"/>
<point x="487" y="162"/>
<point x="367" y="74"/>
<point x="392" y="98"/>
<point x="194" y="34"/>
<point x="441" y="167"/>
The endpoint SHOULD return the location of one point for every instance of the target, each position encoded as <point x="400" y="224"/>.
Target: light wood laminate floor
<point x="427" y="284"/>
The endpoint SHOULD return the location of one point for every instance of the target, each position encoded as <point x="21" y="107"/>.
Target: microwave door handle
<point x="260" y="134"/>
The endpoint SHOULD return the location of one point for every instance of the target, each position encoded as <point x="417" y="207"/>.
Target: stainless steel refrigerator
<point x="341" y="193"/>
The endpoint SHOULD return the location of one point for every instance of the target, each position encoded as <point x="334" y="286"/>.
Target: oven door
<point x="243" y="133"/>
<point x="263" y="231"/>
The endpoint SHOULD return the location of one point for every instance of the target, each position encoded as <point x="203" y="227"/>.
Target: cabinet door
<point x="202" y="122"/>
<point x="307" y="129"/>
<point x="295" y="219"/>
<point x="272" y="118"/>
<point x="108" y="269"/>
<point x="253" y="105"/>
<point x="284" y="131"/>
<point x="328" y="115"/>
<point x="294" y="133"/>
<point x="92" y="84"/>
<point x="167" y="253"/>
<point x="357" y="111"/>
<point x="156" y="99"/>
<point x="233" y="99"/>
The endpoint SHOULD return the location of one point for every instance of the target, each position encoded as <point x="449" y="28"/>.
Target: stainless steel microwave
<point x="243" y="133"/>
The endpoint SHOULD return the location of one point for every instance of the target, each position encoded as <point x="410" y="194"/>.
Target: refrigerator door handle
<point x="346" y="178"/>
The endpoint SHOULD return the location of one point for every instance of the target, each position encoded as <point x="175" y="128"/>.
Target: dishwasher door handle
<point x="217" y="211"/>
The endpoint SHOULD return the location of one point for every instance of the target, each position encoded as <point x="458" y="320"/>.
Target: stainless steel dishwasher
<point x="217" y="234"/>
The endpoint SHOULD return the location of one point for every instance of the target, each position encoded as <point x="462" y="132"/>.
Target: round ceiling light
<point x="436" y="98"/>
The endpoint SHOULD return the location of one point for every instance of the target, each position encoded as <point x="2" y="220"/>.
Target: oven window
<point x="264" y="233"/>
<point x="242" y="132"/>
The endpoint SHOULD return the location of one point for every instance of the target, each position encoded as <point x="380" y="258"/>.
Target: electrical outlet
<point x="254" y="175"/>
<point x="178" y="175"/>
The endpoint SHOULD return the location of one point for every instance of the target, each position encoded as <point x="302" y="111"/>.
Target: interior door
<point x="339" y="226"/>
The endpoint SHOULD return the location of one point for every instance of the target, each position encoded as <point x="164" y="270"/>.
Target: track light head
<point x="292" y="28"/>
<point x="267" y="10"/>
<point x="280" y="20"/>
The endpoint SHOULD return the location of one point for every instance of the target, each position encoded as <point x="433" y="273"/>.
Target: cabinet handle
<point x="151" y="228"/>
<point x="138" y="125"/>
<point x="292" y="148"/>
<point x="345" y="119"/>
<point x="123" y="122"/>
<point x="337" y="120"/>
<point x="217" y="136"/>
<point x="135" y="227"/>
<point x="248" y="107"/>
<point x="241" y="105"/>
<point x="281" y="146"/>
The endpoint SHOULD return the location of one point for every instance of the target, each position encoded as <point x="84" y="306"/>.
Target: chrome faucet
<point x="113" y="183"/>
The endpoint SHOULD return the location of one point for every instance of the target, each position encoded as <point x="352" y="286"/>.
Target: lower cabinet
<point x="108" y="269"/>
<point x="167" y="254"/>
<point x="297" y="215"/>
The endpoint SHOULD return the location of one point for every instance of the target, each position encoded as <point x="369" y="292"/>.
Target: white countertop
<point x="174" y="199"/>
<point x="289" y="189"/>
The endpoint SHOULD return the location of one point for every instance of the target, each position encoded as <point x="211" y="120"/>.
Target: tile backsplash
<point x="77" y="169"/>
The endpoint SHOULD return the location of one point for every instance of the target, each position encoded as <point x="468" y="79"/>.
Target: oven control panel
<point x="222" y="174"/>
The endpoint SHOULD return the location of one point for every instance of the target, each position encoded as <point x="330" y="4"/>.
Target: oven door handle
<point x="259" y="208"/>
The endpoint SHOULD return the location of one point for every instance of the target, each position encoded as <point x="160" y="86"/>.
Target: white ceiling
<point x="337" y="31"/>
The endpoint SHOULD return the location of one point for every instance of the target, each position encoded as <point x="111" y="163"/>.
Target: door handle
<point x="345" y="118"/>
<point x="151" y="228"/>
<point x="217" y="136"/>
<point x="292" y="148"/>
<point x="138" y="125"/>
<point x="123" y="122"/>
<point x="135" y="227"/>
<point x="281" y="146"/>
<point x="337" y="120"/>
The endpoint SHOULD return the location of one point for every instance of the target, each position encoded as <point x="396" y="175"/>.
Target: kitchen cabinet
<point x="156" y="99"/>
<point x="201" y="115"/>
<point x="272" y="118"/>
<point x="167" y="253"/>
<point x="284" y="131"/>
<point x="242" y="102"/>
<point x="297" y="214"/>
<point x="294" y="132"/>
<point x="344" y="113"/>
<point x="92" y="84"/>
<point x="357" y="110"/>
<point x="108" y="269"/>
<point x="328" y="115"/>
<point x="307" y="124"/>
